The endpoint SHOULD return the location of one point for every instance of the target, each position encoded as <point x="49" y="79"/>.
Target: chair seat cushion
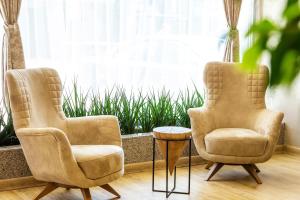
<point x="235" y="142"/>
<point x="97" y="161"/>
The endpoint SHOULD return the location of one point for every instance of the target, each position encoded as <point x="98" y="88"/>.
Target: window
<point x="134" y="43"/>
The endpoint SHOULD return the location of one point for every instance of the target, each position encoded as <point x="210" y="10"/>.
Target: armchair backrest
<point x="35" y="98"/>
<point x="233" y="95"/>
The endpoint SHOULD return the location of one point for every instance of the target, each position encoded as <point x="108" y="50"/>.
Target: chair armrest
<point x="103" y="129"/>
<point x="48" y="154"/>
<point x="202" y="122"/>
<point x="268" y="123"/>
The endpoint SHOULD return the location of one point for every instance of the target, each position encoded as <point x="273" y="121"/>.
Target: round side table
<point x="171" y="141"/>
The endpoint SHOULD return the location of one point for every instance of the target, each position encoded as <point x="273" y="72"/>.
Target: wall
<point x="284" y="99"/>
<point x="287" y="100"/>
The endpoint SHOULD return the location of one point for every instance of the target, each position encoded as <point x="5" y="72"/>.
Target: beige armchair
<point x="234" y="127"/>
<point x="65" y="152"/>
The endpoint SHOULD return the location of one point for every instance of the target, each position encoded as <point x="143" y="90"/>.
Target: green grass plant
<point x="137" y="112"/>
<point x="129" y="110"/>
<point x="185" y="100"/>
<point x="75" y="101"/>
<point x="7" y="132"/>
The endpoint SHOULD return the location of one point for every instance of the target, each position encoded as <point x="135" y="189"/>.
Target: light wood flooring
<point x="280" y="177"/>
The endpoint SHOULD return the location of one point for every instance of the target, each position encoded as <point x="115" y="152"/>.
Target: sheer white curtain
<point x="134" y="43"/>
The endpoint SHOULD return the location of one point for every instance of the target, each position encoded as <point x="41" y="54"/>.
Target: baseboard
<point x="280" y="148"/>
<point x="19" y="183"/>
<point x="287" y="149"/>
<point x="292" y="149"/>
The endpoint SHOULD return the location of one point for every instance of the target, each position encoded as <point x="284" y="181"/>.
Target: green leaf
<point x="281" y="41"/>
<point x="288" y="69"/>
<point x="292" y="11"/>
<point x="252" y="56"/>
<point x="261" y="28"/>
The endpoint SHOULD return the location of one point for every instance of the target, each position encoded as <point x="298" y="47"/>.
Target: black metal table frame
<point x="168" y="193"/>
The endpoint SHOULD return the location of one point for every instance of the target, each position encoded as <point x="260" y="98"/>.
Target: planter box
<point x="13" y="163"/>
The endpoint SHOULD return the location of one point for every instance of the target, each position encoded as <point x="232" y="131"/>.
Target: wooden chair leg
<point x="86" y="193"/>
<point x="110" y="189"/>
<point x="252" y="171"/>
<point x="256" y="168"/>
<point x="209" y="164"/>
<point x="49" y="188"/>
<point x="215" y="168"/>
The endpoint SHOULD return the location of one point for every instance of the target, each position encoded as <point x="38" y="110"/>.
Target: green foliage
<point x="106" y="106"/>
<point x="185" y="101"/>
<point x="145" y="118"/>
<point x="75" y="101"/>
<point x="280" y="41"/>
<point x="161" y="108"/>
<point x="7" y="133"/>
<point x="136" y="112"/>
<point x="128" y="110"/>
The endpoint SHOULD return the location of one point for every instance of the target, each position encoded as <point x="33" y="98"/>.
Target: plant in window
<point x="75" y="101"/>
<point x="129" y="110"/>
<point x="106" y="106"/>
<point x="186" y="100"/>
<point x="161" y="108"/>
<point x="145" y="118"/>
<point x="7" y="132"/>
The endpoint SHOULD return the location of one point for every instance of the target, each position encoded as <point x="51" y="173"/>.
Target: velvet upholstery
<point x="97" y="161"/>
<point x="82" y="152"/>
<point x="226" y="141"/>
<point x="234" y="126"/>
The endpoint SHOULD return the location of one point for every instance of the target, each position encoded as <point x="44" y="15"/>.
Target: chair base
<point x="50" y="187"/>
<point x="252" y="169"/>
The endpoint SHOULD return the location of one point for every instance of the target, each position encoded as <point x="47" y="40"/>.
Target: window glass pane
<point x="134" y="43"/>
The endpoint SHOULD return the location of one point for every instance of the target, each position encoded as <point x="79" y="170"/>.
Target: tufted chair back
<point x="233" y="96"/>
<point x="41" y="88"/>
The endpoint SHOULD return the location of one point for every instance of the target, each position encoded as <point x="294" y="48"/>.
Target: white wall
<point x="287" y="100"/>
<point x="284" y="99"/>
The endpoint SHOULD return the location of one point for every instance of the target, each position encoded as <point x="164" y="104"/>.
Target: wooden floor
<point x="280" y="176"/>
